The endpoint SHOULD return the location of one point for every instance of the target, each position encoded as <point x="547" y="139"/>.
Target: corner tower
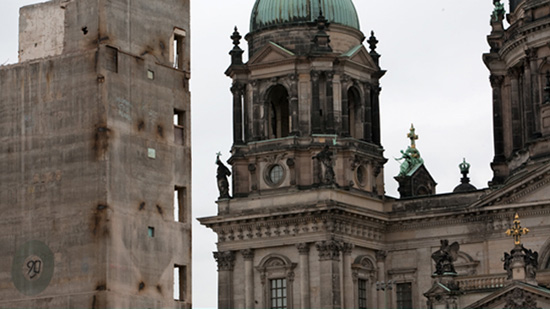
<point x="307" y="160"/>
<point x="520" y="77"/>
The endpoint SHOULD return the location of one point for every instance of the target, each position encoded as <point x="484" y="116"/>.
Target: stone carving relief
<point x="225" y="259"/>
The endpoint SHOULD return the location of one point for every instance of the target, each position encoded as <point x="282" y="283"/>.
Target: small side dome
<point x="272" y="13"/>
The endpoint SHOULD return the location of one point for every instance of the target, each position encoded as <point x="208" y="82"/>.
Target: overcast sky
<point x="436" y="79"/>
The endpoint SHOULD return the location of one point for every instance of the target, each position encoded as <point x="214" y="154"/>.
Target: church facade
<point x="307" y="224"/>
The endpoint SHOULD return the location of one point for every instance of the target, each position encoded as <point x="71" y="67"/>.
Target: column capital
<point x="303" y="248"/>
<point x="248" y="254"/>
<point x="347" y="248"/>
<point x="381" y="255"/>
<point x="496" y="80"/>
<point x="225" y="259"/>
<point x="329" y="250"/>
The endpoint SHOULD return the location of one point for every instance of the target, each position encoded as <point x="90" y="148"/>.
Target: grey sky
<point x="436" y="79"/>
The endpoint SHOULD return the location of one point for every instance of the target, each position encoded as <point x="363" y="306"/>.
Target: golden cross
<point x="412" y="136"/>
<point x="517" y="231"/>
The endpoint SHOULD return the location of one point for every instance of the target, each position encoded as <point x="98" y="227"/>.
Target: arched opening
<point x="279" y="124"/>
<point x="354" y="114"/>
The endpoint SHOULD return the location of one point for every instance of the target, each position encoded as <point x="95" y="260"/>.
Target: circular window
<point x="360" y="173"/>
<point x="276" y="174"/>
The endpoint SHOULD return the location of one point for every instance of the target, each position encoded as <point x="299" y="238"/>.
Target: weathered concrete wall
<point x="90" y="161"/>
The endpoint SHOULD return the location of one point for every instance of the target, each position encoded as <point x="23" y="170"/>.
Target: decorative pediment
<point x="516" y="295"/>
<point x="271" y="53"/>
<point x="530" y="187"/>
<point x="359" y="55"/>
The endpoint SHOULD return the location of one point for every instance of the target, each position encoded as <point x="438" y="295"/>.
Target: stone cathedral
<point x="304" y="221"/>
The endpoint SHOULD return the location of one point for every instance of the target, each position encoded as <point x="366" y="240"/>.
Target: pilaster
<point x="226" y="264"/>
<point x="329" y="259"/>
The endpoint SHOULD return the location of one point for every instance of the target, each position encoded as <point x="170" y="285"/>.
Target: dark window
<point x="278" y="294"/>
<point x="362" y="284"/>
<point x="354" y="113"/>
<point x="279" y="112"/>
<point x="404" y="295"/>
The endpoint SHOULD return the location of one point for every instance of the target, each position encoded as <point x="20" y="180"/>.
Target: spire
<point x="465" y="185"/>
<point x="236" y="53"/>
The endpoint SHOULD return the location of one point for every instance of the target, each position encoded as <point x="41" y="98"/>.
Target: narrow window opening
<point x="180" y="195"/>
<point x="279" y="119"/>
<point x="404" y="295"/>
<point x="150" y="74"/>
<point x="278" y="294"/>
<point x="362" y="284"/>
<point x="178" y="46"/>
<point x="180" y="284"/>
<point x="151" y="232"/>
<point x="179" y="128"/>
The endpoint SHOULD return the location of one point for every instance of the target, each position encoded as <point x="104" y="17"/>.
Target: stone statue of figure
<point x="531" y="262"/>
<point x="507" y="263"/>
<point x="325" y="156"/>
<point x="444" y="258"/>
<point x="222" y="174"/>
<point x="499" y="10"/>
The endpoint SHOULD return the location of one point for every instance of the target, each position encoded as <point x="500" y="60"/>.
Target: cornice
<point x="519" y="36"/>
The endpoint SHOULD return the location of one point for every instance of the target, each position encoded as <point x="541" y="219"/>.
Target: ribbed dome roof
<point x="269" y="13"/>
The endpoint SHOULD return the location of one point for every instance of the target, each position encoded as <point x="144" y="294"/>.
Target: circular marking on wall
<point x="32" y="268"/>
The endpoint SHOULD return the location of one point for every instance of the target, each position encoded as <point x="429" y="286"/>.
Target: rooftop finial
<point x="236" y="53"/>
<point x="517" y="231"/>
<point x="412" y="136"/>
<point x="465" y="185"/>
<point x="236" y="37"/>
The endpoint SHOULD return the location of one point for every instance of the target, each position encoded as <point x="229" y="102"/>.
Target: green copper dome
<point x="269" y="13"/>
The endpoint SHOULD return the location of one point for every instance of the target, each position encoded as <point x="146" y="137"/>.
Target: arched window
<point x="277" y="276"/>
<point x="277" y="99"/>
<point x="364" y="275"/>
<point x="354" y="113"/>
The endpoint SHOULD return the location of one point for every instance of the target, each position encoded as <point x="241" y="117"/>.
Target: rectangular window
<point x="179" y="129"/>
<point x="180" y="285"/>
<point x="278" y="294"/>
<point x="111" y="59"/>
<point x="178" y="45"/>
<point x="404" y="295"/>
<point x="362" y="285"/>
<point x="180" y="194"/>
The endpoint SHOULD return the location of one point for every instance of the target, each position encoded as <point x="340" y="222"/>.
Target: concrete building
<point x="308" y="224"/>
<point x="95" y="156"/>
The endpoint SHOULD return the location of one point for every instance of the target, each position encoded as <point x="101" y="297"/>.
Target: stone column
<point x="528" y="99"/>
<point x="376" y="139"/>
<point x="344" y="80"/>
<point x="381" y="265"/>
<point x="293" y="105"/>
<point x="515" y="99"/>
<point x="256" y="111"/>
<point x="248" y="256"/>
<point x="367" y="109"/>
<point x="349" y="301"/>
<point x="329" y="260"/>
<point x="498" y="129"/>
<point x="237" y="90"/>
<point x="315" y="103"/>
<point x="303" y="249"/>
<point x="226" y="264"/>
<point x="330" y="129"/>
